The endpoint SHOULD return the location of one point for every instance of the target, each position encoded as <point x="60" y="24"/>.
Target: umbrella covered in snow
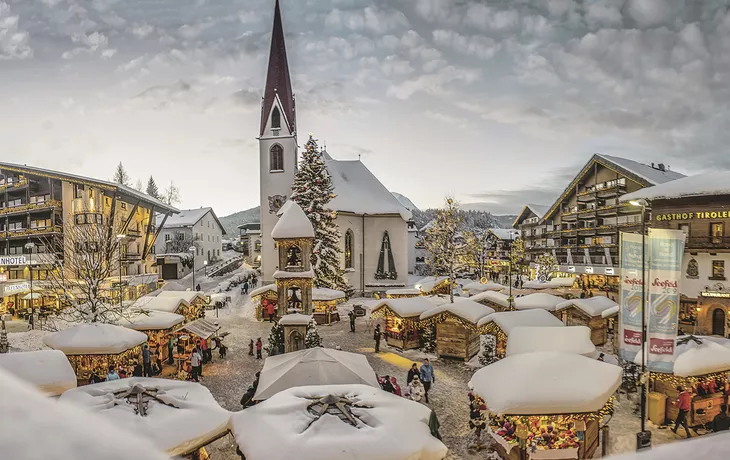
<point x="336" y="422"/>
<point x="313" y="366"/>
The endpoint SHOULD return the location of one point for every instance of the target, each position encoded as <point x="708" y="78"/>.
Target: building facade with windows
<point x="249" y="243"/>
<point x="193" y="227"/>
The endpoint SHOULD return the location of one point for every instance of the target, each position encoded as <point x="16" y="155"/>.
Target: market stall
<point x="196" y="300"/>
<point x="588" y="312"/>
<point x="158" y="325"/>
<point x="48" y="371"/>
<point x="457" y="334"/>
<point x="401" y="318"/>
<point x="549" y="404"/>
<point x="501" y="324"/>
<point x="569" y="339"/>
<point x="538" y="300"/>
<point x="179" y="418"/>
<point x="471" y="289"/>
<point x="324" y="304"/>
<point x="493" y="299"/>
<point x="167" y="305"/>
<point x="95" y="347"/>
<point x="187" y="337"/>
<point x="433" y="285"/>
<point x="402" y="293"/>
<point x="336" y="422"/>
<point x="262" y="297"/>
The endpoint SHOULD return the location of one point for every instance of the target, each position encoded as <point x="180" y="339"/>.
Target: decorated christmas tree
<point x="312" y="340"/>
<point x="313" y="190"/>
<point x="276" y="340"/>
<point x="488" y="353"/>
<point x="428" y="339"/>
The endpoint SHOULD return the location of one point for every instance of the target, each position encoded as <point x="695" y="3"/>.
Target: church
<point x="373" y="222"/>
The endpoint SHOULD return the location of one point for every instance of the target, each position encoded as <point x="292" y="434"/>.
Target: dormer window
<point x="275" y="118"/>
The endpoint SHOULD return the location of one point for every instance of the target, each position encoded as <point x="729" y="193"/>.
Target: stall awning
<point x="200" y="327"/>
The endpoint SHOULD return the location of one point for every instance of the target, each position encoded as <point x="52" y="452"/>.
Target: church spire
<point x="278" y="81"/>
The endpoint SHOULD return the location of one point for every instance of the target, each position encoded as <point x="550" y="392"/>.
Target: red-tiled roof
<point x="278" y="80"/>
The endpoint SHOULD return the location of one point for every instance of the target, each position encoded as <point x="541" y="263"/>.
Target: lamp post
<point x="29" y="246"/>
<point x="120" y="241"/>
<point x="205" y="267"/>
<point x="193" y="249"/>
<point x="643" y="438"/>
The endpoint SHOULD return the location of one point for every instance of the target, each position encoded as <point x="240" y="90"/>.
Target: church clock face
<point x="275" y="203"/>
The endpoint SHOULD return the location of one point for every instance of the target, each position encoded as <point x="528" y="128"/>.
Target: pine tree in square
<point x="276" y="342"/>
<point x="313" y="190"/>
<point x="312" y="339"/>
<point x="488" y="353"/>
<point x="428" y="339"/>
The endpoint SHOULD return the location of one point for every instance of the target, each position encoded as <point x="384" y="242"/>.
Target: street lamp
<point x="120" y="241"/>
<point x="643" y="438"/>
<point x="29" y="246"/>
<point x="194" y="250"/>
<point x="205" y="266"/>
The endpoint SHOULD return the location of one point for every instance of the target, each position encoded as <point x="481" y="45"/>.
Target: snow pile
<point x="295" y="319"/>
<point x="570" y="339"/>
<point x="404" y="291"/>
<point x="708" y="184"/>
<point x="538" y="300"/>
<point x="713" y="446"/>
<point x="151" y="320"/>
<point x="325" y="294"/>
<point x="95" y="339"/>
<point x="592" y="306"/>
<point x="693" y="359"/>
<point x="388" y="427"/>
<point x="490" y="296"/>
<point x="475" y="288"/>
<point x="466" y="309"/>
<point x="174" y="285"/>
<point x="609" y="312"/>
<point x="428" y="283"/>
<point x="182" y="418"/>
<point x="313" y="366"/>
<point x="508" y="320"/>
<point x="41" y="428"/>
<point x="48" y="370"/>
<point x="293" y="223"/>
<point x="283" y="274"/>
<point x="545" y="383"/>
<point x="405" y="307"/>
<point x="187" y="296"/>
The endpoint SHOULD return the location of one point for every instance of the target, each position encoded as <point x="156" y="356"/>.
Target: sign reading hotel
<point x="13" y="260"/>
<point x="693" y="215"/>
<point x="631" y="301"/>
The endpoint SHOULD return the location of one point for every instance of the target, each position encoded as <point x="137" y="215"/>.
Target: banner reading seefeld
<point x="665" y="262"/>
<point x="631" y="304"/>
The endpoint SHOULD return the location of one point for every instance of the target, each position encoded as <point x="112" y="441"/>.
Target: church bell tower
<point x="277" y="144"/>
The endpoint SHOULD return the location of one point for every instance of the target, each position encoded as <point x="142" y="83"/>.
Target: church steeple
<point x="278" y="81"/>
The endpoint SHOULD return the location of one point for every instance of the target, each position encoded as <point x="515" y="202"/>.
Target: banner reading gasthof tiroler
<point x="665" y="264"/>
<point x="631" y="304"/>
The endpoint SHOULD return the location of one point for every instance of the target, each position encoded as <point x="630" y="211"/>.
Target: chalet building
<point x="699" y="206"/>
<point x="581" y="228"/>
<point x="193" y="227"/>
<point x="249" y="242"/>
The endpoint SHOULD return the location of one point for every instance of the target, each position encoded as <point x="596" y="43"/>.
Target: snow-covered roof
<point x="505" y="234"/>
<point x="313" y="366"/>
<point x="263" y="290"/>
<point x="182" y="418"/>
<point x="95" y="339"/>
<point x="693" y="359"/>
<point x="295" y="319"/>
<point x="293" y="223"/>
<point x="283" y="274"/>
<point x="188" y="296"/>
<point x="492" y="296"/>
<point x="440" y="299"/>
<point x="48" y="370"/>
<point x="387" y="427"/>
<point x="322" y="294"/>
<point x="592" y="306"/>
<point x="405" y="201"/>
<point x="538" y="209"/>
<point x="646" y="172"/>
<point x="40" y="428"/>
<point x="152" y="319"/>
<point x="468" y="310"/>
<point x="404" y="307"/>
<point x="189" y="217"/>
<point x="712" y="183"/>
<point x="482" y="287"/>
<point x="708" y="446"/>
<point x="538" y="300"/>
<point x="358" y="191"/>
<point x="201" y="327"/>
<point x="166" y="303"/>
<point x="609" y="312"/>
<point x="547" y="382"/>
<point x="403" y="291"/>
<point x="569" y="339"/>
<point x="554" y="283"/>
<point x="508" y="320"/>
<point x="428" y="283"/>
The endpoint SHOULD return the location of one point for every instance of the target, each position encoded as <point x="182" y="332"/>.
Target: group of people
<point x="418" y="381"/>
<point x="259" y="345"/>
<point x="149" y="367"/>
<point x="249" y="281"/>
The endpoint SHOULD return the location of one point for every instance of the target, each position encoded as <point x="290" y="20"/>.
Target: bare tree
<point x="171" y="195"/>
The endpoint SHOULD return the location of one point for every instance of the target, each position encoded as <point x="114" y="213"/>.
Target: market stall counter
<point x="401" y="319"/>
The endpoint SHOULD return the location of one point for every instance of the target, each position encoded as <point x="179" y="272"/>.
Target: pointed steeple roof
<point x="278" y="80"/>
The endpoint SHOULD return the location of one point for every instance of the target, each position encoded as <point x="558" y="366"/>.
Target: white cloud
<point x="13" y="40"/>
<point x="477" y="45"/>
<point x="371" y="19"/>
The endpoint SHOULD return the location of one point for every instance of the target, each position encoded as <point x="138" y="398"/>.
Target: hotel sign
<point x="10" y="289"/>
<point x="723" y="295"/>
<point x="13" y="260"/>
<point x="693" y="215"/>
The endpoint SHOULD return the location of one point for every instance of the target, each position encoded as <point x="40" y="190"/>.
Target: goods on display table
<point x="401" y="319"/>
<point x="496" y="300"/>
<point x="501" y="324"/>
<point x="548" y="403"/>
<point x="158" y="325"/>
<point x="48" y="370"/>
<point x="187" y="338"/>
<point x="588" y="312"/>
<point x="457" y="333"/>
<point x="324" y="304"/>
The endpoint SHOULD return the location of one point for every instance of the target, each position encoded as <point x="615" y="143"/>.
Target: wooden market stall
<point x="501" y="324"/>
<point x="96" y="347"/>
<point x="588" y="312"/>
<point x="457" y="334"/>
<point x="401" y="319"/>
<point x="474" y="288"/>
<point x="433" y="285"/>
<point x="168" y="305"/>
<point x="262" y="297"/>
<point x="493" y="299"/>
<point x="549" y="404"/>
<point x="402" y="293"/>
<point x="324" y="304"/>
<point x="188" y="335"/>
<point x="196" y="300"/>
<point x="158" y="325"/>
<point x="538" y="300"/>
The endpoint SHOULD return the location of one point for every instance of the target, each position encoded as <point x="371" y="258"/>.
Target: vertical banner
<point x="665" y="255"/>
<point x="631" y="304"/>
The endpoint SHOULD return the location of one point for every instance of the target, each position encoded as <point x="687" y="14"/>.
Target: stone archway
<point x="719" y="320"/>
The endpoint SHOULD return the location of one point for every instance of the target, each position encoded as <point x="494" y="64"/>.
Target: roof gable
<point x="278" y="80"/>
<point x="190" y="217"/>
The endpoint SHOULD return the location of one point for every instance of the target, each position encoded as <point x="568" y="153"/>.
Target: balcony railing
<point x="31" y="207"/>
<point x="708" y="242"/>
<point x="16" y="184"/>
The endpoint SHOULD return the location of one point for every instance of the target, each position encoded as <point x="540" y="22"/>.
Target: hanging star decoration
<point x="139" y="398"/>
<point x="338" y="406"/>
<point x="685" y="340"/>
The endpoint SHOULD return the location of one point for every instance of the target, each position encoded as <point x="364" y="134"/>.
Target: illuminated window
<point x="717" y="229"/>
<point x="348" y="249"/>
<point x="275" y="118"/>
<point x="277" y="158"/>
<point x="718" y="270"/>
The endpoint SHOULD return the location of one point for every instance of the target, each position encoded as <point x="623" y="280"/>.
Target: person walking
<point x="427" y="377"/>
<point x="112" y="375"/>
<point x="205" y="351"/>
<point x="271" y="311"/>
<point x="351" y="315"/>
<point x="95" y="378"/>
<point x="254" y="281"/>
<point x="259" y="346"/>
<point x="376" y="337"/>
<point x="683" y="403"/>
<point x="146" y="360"/>
<point x="721" y="422"/>
<point x="196" y="361"/>
<point x="245" y="287"/>
<point x="250" y="348"/>
<point x="197" y="288"/>
<point x="413" y="371"/>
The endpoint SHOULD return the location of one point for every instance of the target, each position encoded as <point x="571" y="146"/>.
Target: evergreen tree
<point x="120" y="175"/>
<point x="428" y="339"/>
<point x="313" y="190"/>
<point x="547" y="265"/>
<point x="488" y="353"/>
<point x="276" y="340"/>
<point x="152" y="189"/>
<point x="312" y="339"/>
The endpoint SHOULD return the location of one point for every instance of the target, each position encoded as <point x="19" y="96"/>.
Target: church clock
<point x="276" y="202"/>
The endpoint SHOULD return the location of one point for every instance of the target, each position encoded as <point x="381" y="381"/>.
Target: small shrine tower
<point x="293" y="235"/>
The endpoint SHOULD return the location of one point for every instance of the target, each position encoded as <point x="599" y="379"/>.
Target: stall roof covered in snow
<point x="693" y="359"/>
<point x="710" y="446"/>
<point x="428" y="283"/>
<point x="712" y="183"/>
<point x="570" y="339"/>
<point x="508" y="320"/>
<point x="95" y="339"/>
<point x="492" y="296"/>
<point x="293" y="223"/>
<point x="295" y="319"/>
<point x="592" y="306"/>
<point x="555" y="283"/>
<point x="313" y="366"/>
<point x="403" y="291"/>
<point x="48" y="370"/>
<point x="468" y="310"/>
<point x="325" y="294"/>
<point x="538" y="300"/>
<point x="545" y="383"/>
<point x="152" y="319"/>
<point x="263" y="290"/>
<point x="609" y="312"/>
<point x="201" y="327"/>
<point x="405" y="307"/>
<point x="188" y="296"/>
<point x="166" y="303"/>
<point x="358" y="191"/>
<point x="42" y="428"/>
<point x="181" y="416"/>
<point x="288" y="426"/>
<point x="482" y="287"/>
<point x="283" y="274"/>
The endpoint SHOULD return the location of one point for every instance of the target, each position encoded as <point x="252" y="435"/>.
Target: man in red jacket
<point x="683" y="403"/>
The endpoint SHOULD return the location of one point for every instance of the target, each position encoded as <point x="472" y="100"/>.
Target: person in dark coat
<point x="137" y="372"/>
<point x="376" y="337"/>
<point x="146" y="360"/>
<point x="95" y="378"/>
<point x="351" y="315"/>
<point x="197" y="288"/>
<point x="411" y="372"/>
<point x="247" y="399"/>
<point x="721" y="422"/>
<point x="250" y="348"/>
<point x="245" y="287"/>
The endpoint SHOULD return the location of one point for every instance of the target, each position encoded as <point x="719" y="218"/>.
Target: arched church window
<point x="277" y="158"/>
<point x="275" y="118"/>
<point x="386" y="264"/>
<point x="348" y="249"/>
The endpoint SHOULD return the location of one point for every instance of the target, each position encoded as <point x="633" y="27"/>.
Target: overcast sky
<point x="490" y="101"/>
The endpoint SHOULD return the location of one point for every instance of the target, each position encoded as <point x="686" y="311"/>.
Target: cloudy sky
<point x="496" y="101"/>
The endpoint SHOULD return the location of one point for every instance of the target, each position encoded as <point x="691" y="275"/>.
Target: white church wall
<point x="412" y="240"/>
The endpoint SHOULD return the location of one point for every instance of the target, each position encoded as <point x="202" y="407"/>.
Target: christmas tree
<point x="276" y="340"/>
<point x="428" y="339"/>
<point x="313" y="190"/>
<point x="488" y="353"/>
<point x="312" y="340"/>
